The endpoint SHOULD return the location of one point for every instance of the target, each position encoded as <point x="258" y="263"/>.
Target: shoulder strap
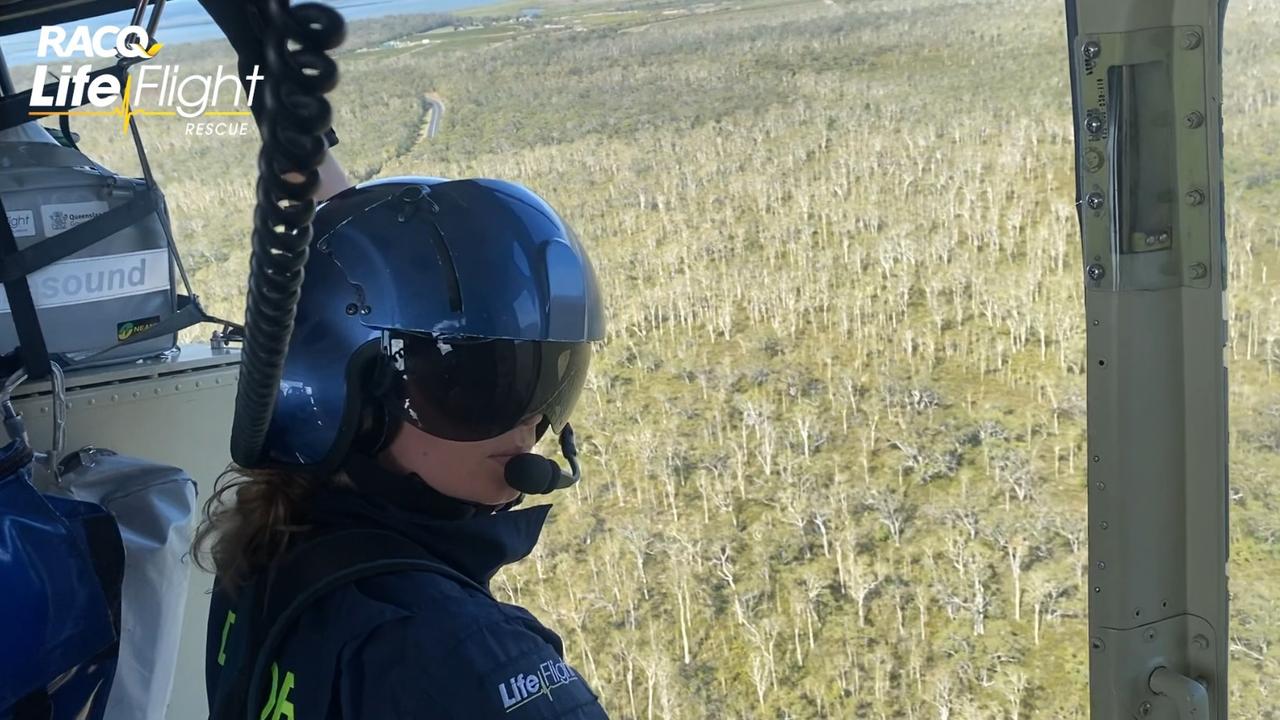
<point x="20" y="263"/>
<point x="302" y="577"/>
<point x="32" y="349"/>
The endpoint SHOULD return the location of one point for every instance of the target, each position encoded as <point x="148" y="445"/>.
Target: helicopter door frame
<point x="1146" y="80"/>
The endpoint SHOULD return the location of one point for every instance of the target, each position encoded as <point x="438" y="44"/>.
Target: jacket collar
<point x="411" y="492"/>
<point x="476" y="540"/>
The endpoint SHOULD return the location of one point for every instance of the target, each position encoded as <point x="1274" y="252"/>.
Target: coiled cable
<point x="298" y="73"/>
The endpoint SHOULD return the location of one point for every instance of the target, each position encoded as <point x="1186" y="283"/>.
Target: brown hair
<point x="253" y="513"/>
<point x="250" y="518"/>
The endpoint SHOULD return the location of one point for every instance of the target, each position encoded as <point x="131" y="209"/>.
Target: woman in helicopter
<point x="443" y="327"/>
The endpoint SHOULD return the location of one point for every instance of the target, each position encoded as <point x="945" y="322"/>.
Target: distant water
<point x="186" y="21"/>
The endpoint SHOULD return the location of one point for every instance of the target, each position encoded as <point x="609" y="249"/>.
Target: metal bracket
<point x="1147" y="206"/>
<point x="16" y="427"/>
<point x="1143" y="664"/>
<point x="1189" y="696"/>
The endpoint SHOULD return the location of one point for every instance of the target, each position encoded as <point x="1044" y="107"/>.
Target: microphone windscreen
<point x="532" y="474"/>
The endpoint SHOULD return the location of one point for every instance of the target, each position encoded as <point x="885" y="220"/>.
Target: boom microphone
<point x="534" y="474"/>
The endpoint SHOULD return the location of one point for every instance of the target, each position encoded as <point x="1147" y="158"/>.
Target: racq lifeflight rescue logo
<point x="150" y="89"/>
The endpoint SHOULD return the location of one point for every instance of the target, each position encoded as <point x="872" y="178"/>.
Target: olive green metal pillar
<point x="1147" y="81"/>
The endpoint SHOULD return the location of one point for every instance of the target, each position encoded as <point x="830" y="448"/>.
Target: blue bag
<point x="61" y="568"/>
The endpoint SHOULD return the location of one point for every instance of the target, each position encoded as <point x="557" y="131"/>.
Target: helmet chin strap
<point x="378" y="424"/>
<point x="377" y="428"/>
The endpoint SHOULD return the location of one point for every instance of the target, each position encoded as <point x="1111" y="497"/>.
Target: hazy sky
<point x="186" y="21"/>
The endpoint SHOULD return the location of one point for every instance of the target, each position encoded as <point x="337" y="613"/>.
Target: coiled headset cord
<point x="298" y="73"/>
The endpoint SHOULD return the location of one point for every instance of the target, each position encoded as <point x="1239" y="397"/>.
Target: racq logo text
<point x="151" y="89"/>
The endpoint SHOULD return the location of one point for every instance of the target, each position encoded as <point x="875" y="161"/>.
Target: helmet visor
<point x="467" y="389"/>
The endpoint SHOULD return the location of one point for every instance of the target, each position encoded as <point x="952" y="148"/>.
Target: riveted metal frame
<point x="1172" y="167"/>
<point x="1150" y="71"/>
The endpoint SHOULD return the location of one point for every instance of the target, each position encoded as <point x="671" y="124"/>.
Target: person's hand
<point x="333" y="179"/>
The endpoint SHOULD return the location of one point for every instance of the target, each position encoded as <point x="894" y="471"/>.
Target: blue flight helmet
<point x="461" y="307"/>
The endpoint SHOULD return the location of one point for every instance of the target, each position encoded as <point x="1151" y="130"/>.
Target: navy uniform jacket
<point x="413" y="645"/>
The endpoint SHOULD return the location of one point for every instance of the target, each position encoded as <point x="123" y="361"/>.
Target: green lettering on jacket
<point x="278" y="706"/>
<point x="226" y="628"/>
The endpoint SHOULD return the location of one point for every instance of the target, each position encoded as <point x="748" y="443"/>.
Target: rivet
<point x="115" y="397"/>
<point x="136" y="394"/>
<point x="197" y="383"/>
<point x="1097" y="644"/>
<point x="1092" y="50"/>
<point x="178" y="386"/>
<point x="1201" y="642"/>
<point x="93" y="401"/>
<point x="1097" y="459"/>
<point x="1101" y="485"/>
<point x="1194" y="197"/>
<point x="1104" y="525"/>
<point x="1097" y="272"/>
<point x="1191" y="40"/>
<point x="1102" y="565"/>
<point x="352" y="308"/>
<point x="1095" y="200"/>
<point x="366" y="310"/>
<point x="1094" y="160"/>
<point x="1094" y="125"/>
<point x="1199" y="271"/>
<point x="1096" y="323"/>
<point x="1144" y="709"/>
<point x="1194" y="120"/>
